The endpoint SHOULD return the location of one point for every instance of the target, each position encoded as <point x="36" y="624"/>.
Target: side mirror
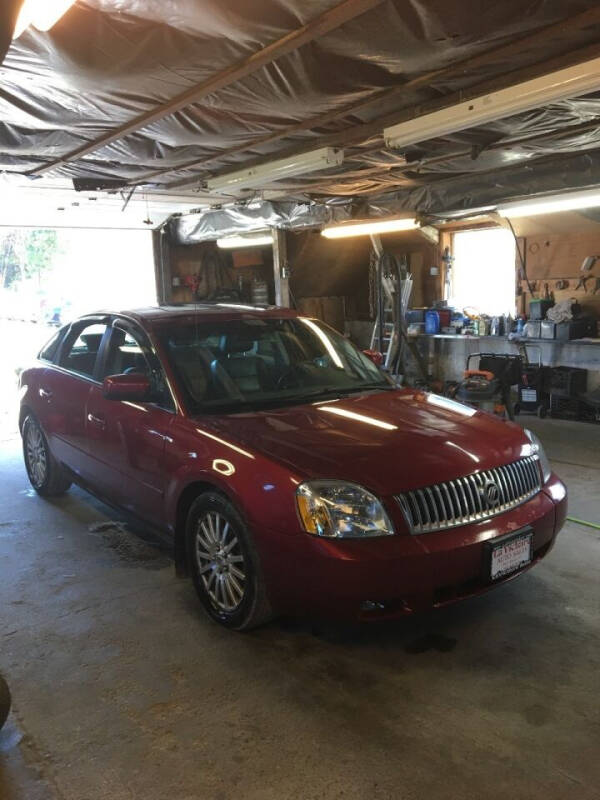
<point x="375" y="356"/>
<point x="129" y="386"/>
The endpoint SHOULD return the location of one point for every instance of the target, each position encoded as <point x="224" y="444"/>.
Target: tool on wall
<point x="588" y="263"/>
<point x="586" y="267"/>
<point x="448" y="260"/>
<point x="213" y="274"/>
<point x="561" y="284"/>
<point x="548" y="295"/>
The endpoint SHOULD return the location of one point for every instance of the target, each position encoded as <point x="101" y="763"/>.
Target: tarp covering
<point x="191" y="228"/>
<point x="107" y="61"/>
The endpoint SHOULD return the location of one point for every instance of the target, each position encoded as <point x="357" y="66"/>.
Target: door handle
<point x="45" y="393"/>
<point x="99" y="421"/>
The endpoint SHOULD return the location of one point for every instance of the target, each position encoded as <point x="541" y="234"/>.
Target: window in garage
<point x="483" y="274"/>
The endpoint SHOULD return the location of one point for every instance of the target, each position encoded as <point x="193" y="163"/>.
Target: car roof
<point x="152" y="315"/>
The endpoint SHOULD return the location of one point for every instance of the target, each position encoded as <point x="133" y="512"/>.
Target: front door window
<point x="127" y="354"/>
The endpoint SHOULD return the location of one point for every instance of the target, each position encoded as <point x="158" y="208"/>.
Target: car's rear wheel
<point x="46" y="475"/>
<point x="225" y="565"/>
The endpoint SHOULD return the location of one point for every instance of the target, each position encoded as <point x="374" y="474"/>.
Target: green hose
<point x="583" y="522"/>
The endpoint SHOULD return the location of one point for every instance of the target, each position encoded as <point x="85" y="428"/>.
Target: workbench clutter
<point x="448" y="321"/>
<point x="560" y="294"/>
<point x="430" y="321"/>
<point x="562" y="321"/>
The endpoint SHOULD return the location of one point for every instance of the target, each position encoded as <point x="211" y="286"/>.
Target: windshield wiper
<point x="326" y="391"/>
<point x="385" y="387"/>
<point x="239" y="406"/>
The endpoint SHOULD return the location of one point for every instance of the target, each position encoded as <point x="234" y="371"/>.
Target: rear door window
<point x="80" y="353"/>
<point x="48" y="352"/>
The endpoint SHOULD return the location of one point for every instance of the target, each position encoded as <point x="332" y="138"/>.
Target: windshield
<point x="252" y="363"/>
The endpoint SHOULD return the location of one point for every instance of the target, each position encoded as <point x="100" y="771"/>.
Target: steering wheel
<point x="290" y="379"/>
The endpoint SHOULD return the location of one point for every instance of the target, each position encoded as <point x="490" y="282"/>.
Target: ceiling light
<point x="252" y="240"/>
<point x="315" y="160"/>
<point x="348" y="229"/>
<point x="551" y="204"/>
<point x="42" y="14"/>
<point x="561" y="85"/>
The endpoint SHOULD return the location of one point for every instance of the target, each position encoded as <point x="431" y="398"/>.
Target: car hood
<point x="388" y="441"/>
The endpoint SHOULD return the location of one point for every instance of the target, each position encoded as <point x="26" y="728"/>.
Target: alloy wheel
<point x="220" y="561"/>
<point x="37" y="460"/>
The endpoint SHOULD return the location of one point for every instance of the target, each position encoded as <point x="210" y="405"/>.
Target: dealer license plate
<point x="510" y="555"/>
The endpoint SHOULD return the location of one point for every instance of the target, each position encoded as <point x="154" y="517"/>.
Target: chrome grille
<point x="473" y="498"/>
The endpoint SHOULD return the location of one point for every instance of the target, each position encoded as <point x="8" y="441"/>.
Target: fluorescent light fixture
<point x="251" y="240"/>
<point x="570" y="201"/>
<point x="560" y="85"/>
<point x="42" y="14"/>
<point x="315" y="160"/>
<point x="347" y="229"/>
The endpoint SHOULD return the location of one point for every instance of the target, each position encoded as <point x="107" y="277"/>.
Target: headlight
<point x="538" y="449"/>
<point x="341" y="510"/>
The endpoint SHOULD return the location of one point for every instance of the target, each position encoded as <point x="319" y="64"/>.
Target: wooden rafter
<point x="560" y="29"/>
<point x="358" y="134"/>
<point x="321" y="25"/>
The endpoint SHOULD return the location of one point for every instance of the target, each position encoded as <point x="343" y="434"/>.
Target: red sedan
<point x="288" y="470"/>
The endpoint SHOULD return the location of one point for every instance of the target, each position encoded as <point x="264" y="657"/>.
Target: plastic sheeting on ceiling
<point x="107" y="61"/>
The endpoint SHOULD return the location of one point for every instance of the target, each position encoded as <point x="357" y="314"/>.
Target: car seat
<point x="248" y="372"/>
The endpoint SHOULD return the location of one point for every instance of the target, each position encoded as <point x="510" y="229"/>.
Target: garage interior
<point x="229" y="138"/>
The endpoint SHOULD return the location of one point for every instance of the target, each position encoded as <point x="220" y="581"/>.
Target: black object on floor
<point x="4" y="701"/>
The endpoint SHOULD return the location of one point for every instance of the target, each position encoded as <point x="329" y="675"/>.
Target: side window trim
<point x="102" y="351"/>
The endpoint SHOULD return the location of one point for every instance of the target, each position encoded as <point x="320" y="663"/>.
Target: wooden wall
<point x="554" y="247"/>
<point x="328" y="279"/>
<point x="217" y="268"/>
<point x="552" y="257"/>
<point x="337" y="273"/>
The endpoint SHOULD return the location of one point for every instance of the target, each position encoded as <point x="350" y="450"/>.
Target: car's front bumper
<point x="397" y="575"/>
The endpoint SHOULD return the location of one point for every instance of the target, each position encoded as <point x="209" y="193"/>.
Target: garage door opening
<point x="50" y="276"/>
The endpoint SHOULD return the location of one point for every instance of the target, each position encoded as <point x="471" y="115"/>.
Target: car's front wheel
<point x="46" y="475"/>
<point x="225" y="565"/>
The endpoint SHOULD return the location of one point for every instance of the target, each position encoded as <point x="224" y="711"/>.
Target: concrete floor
<point x="124" y="690"/>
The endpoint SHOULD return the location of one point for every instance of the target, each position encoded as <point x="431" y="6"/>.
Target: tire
<point x="517" y="409"/>
<point x="45" y="474"/>
<point x="224" y="564"/>
<point x="541" y="412"/>
<point x="4" y="701"/>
